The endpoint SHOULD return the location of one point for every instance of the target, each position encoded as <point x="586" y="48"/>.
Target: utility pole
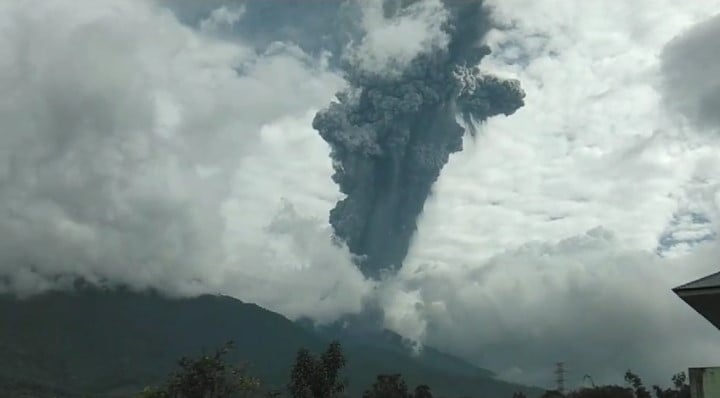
<point x="560" y="377"/>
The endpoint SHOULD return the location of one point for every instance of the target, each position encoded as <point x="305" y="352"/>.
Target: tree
<point x="636" y="382"/>
<point x="318" y="377"/>
<point x="207" y="376"/>
<point x="681" y="390"/>
<point x="388" y="386"/>
<point x="393" y="386"/>
<point x="636" y="389"/>
<point x="422" y="391"/>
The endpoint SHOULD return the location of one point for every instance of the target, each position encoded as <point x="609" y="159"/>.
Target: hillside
<point x="115" y="342"/>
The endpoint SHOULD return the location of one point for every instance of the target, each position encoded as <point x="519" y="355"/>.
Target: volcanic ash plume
<point x="392" y="133"/>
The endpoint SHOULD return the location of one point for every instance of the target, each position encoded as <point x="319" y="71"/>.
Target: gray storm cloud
<point x="691" y="74"/>
<point x="394" y="128"/>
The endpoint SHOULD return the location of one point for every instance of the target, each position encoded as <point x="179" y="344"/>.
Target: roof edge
<point x="690" y="285"/>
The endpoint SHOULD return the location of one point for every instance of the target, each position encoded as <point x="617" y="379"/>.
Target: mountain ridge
<point x="110" y="342"/>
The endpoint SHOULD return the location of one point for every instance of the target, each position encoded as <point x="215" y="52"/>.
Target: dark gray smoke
<point x="391" y="135"/>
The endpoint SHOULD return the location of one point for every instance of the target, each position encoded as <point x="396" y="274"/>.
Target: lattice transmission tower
<point x="560" y="377"/>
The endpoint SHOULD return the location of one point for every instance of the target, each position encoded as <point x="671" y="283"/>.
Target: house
<point x="703" y="295"/>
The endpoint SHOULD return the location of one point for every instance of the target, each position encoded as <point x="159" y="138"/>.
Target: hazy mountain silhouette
<point x="109" y="342"/>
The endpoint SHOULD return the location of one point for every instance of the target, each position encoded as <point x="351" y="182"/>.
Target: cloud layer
<point x="690" y="68"/>
<point x="129" y="142"/>
<point x="173" y="148"/>
<point x="544" y="243"/>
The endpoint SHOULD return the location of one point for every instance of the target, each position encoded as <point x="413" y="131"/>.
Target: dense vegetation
<point x="209" y="376"/>
<point x="634" y="389"/>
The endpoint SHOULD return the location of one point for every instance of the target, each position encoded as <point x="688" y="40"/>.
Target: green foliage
<point x="681" y="390"/>
<point x="553" y="394"/>
<point x="422" y="391"/>
<point x="636" y="389"/>
<point x="207" y="376"/>
<point x="636" y="382"/>
<point x="393" y="386"/>
<point x="313" y="377"/>
<point x="388" y="386"/>
<point x="603" y="392"/>
<point x="153" y="392"/>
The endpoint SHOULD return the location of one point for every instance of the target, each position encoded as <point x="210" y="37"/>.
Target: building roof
<point x="707" y="282"/>
<point x="703" y="295"/>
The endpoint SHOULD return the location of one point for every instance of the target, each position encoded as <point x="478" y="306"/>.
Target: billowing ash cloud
<point x="394" y="128"/>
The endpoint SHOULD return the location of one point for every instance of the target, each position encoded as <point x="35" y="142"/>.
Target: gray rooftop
<point x="707" y="282"/>
<point x="703" y="295"/>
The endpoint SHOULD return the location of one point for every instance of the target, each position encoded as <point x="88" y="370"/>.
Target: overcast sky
<point x="169" y="145"/>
